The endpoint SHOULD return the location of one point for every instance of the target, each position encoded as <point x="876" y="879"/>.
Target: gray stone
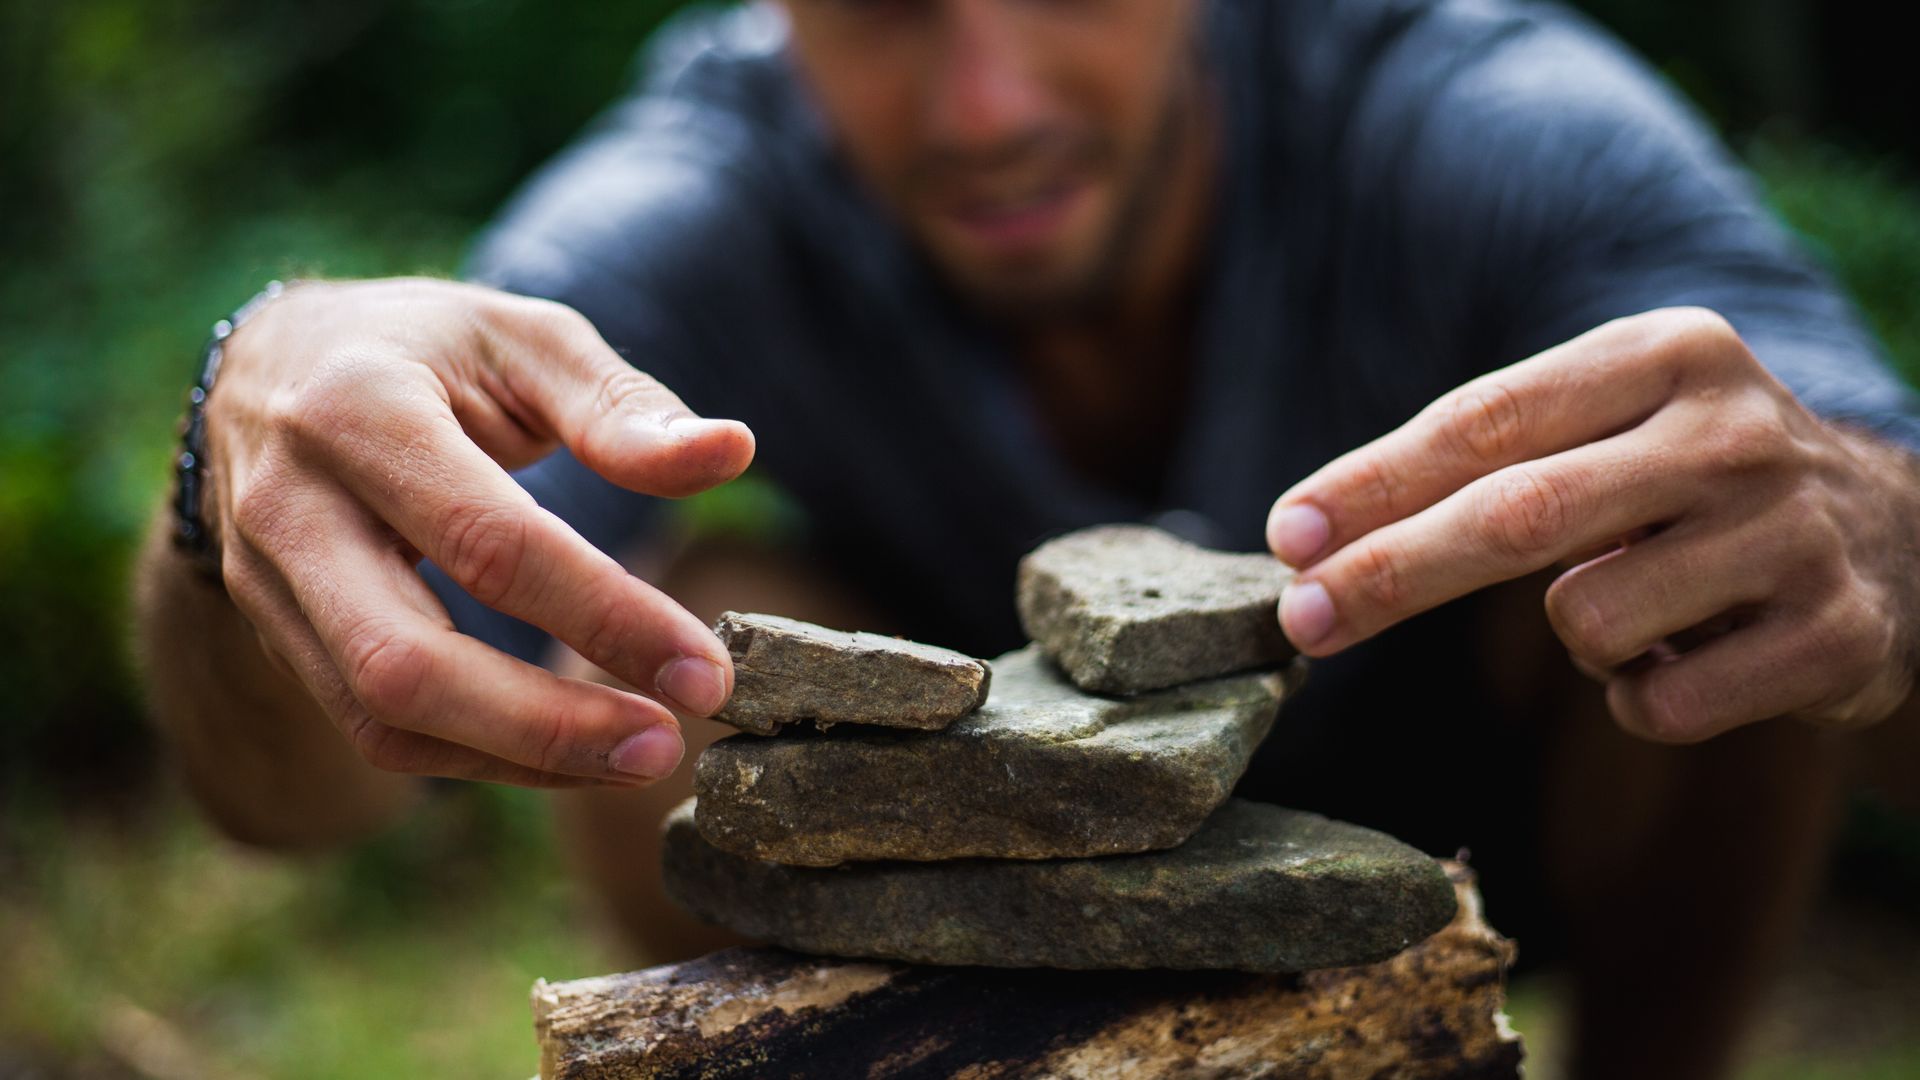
<point x="1259" y="888"/>
<point x="1129" y="608"/>
<point x="1432" y="1012"/>
<point x="1043" y="770"/>
<point x="786" y="671"/>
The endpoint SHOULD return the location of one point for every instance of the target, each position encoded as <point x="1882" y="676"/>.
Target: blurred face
<point x="1021" y="142"/>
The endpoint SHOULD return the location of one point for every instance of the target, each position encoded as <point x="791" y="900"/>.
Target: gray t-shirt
<point x="1415" y="192"/>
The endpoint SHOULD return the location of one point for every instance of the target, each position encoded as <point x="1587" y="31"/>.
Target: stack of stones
<point x="1066" y="806"/>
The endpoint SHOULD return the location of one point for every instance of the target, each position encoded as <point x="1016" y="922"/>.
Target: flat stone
<point x="1043" y="770"/>
<point x="1431" y="1012"/>
<point x="1129" y="608"/>
<point x="1258" y="888"/>
<point x="786" y="671"/>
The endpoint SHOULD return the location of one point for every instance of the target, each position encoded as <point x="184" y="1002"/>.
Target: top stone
<point x="1124" y="609"/>
<point x="787" y="671"/>
<point x="1043" y="771"/>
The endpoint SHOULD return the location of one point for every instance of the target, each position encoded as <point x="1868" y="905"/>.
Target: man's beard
<point x="1089" y="290"/>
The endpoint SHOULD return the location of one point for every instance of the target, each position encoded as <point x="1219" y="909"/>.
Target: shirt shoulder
<point x="1468" y="182"/>
<point x="684" y="168"/>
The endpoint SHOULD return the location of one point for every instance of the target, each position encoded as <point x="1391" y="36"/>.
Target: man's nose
<point x="985" y="88"/>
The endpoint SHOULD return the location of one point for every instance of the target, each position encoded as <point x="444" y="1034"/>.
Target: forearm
<point x="256" y="750"/>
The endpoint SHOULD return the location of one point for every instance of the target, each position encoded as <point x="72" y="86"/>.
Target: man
<point x="974" y="272"/>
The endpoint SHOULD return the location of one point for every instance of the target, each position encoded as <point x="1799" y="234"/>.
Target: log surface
<point x="1432" y="1011"/>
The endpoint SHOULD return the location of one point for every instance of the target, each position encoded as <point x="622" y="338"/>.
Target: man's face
<point x="1019" y="141"/>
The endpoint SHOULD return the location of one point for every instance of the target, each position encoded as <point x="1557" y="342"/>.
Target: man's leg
<point x="1682" y="873"/>
<point x="613" y="837"/>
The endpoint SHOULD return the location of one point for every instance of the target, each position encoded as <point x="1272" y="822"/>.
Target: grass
<point x="1536" y="1005"/>
<point x="163" y="951"/>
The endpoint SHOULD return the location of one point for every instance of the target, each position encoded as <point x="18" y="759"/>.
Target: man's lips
<point x="1015" y="226"/>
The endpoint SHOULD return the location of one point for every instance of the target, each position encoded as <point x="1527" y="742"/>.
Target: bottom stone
<point x="1432" y="1011"/>
<point x="1257" y="888"/>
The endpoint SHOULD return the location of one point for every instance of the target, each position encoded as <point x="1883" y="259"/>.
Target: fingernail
<point x="694" y="683"/>
<point x="693" y="427"/>
<point x="653" y="753"/>
<point x="1306" y="613"/>
<point x="1297" y="533"/>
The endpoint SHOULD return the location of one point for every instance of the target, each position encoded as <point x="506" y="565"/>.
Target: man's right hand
<point x="357" y="427"/>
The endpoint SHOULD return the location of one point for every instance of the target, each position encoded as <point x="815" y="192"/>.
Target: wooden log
<point x="1432" y="1011"/>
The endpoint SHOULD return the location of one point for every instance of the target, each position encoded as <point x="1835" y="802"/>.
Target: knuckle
<point x="245" y="581"/>
<point x="1666" y="709"/>
<point x="550" y="739"/>
<point x="1691" y="330"/>
<point x="610" y="629"/>
<point x="482" y="547"/>
<point x="263" y="510"/>
<point x="378" y="744"/>
<point x="1702" y="325"/>
<point x="1748" y="434"/>
<point x="1584" y="625"/>
<point x="1683" y="339"/>
<point x="1803" y="543"/>
<point x="315" y="412"/>
<point x="1379" y="575"/>
<point x="1382" y="482"/>
<point x="1852" y="639"/>
<point x="508" y="317"/>
<point x="1527" y="513"/>
<point x="620" y="393"/>
<point x="387" y="670"/>
<point x="256" y="510"/>
<point x="1485" y="423"/>
<point x="552" y="315"/>
<point x="625" y="388"/>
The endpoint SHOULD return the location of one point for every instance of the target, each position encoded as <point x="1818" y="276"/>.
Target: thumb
<point x="618" y="421"/>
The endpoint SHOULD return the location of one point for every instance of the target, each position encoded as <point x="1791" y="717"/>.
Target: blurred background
<point x="161" y="159"/>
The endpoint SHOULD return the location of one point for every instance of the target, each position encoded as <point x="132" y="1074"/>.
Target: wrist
<point x="1893" y="475"/>
<point x="192" y="537"/>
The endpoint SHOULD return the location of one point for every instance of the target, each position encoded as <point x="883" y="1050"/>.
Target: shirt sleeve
<point x="640" y="226"/>
<point x="1548" y="182"/>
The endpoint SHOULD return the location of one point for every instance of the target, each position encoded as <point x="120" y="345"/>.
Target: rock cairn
<point x="879" y="804"/>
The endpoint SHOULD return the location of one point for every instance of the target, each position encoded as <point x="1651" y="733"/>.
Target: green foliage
<point x="161" y="161"/>
<point x="1862" y="217"/>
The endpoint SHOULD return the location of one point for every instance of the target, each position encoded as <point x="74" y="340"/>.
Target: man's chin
<point x="1030" y="276"/>
<point x="1023" y="290"/>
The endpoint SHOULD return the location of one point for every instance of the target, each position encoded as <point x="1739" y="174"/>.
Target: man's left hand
<point x="1732" y="557"/>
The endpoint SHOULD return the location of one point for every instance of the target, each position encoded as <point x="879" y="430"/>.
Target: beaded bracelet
<point x="190" y="534"/>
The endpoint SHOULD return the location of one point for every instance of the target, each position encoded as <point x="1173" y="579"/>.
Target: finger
<point x="1598" y="384"/>
<point x="1579" y="558"/>
<point x="1599" y="675"/>
<point x="619" y="421"/>
<point x="1498" y="528"/>
<point x="406" y="666"/>
<point x="457" y="507"/>
<point x="1614" y="608"/>
<point x="297" y="651"/>
<point x="1824" y="665"/>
